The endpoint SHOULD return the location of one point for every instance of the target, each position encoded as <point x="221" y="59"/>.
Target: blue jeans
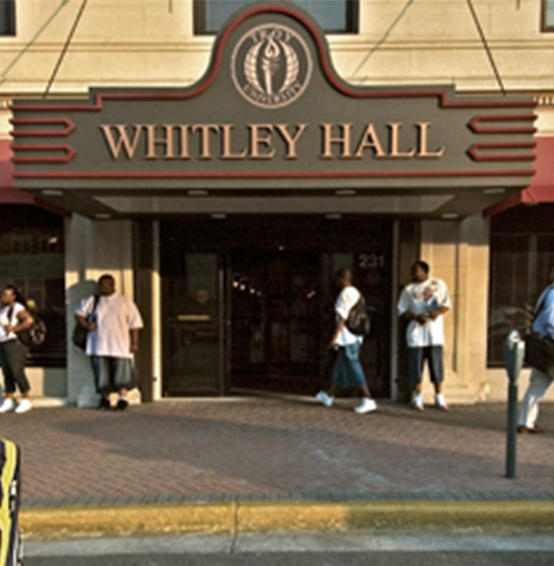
<point x="348" y="370"/>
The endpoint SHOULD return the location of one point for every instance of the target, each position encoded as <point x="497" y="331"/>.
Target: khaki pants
<point x="538" y="384"/>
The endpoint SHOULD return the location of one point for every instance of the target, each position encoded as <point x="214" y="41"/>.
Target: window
<point x="520" y="264"/>
<point x="32" y="259"/>
<point x="334" y="16"/>
<point x="7" y="17"/>
<point x="547" y="15"/>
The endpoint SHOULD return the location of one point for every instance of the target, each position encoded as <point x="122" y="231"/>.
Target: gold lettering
<point x="395" y="141"/>
<point x="123" y="141"/>
<point x="204" y="130"/>
<point x="256" y="140"/>
<point x="152" y="141"/>
<point x="343" y="140"/>
<point x="369" y="139"/>
<point x="291" y="141"/>
<point x="423" y="127"/>
<point x="227" y="153"/>
<point x="184" y="135"/>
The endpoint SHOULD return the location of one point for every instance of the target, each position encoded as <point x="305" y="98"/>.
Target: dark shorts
<point x="112" y="374"/>
<point x="348" y="371"/>
<point x="416" y="360"/>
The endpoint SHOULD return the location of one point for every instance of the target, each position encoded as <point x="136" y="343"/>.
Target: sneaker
<point x="324" y="399"/>
<point x="417" y="402"/>
<point x="23" y="406"/>
<point x="122" y="404"/>
<point x="7" y="405"/>
<point x="104" y="403"/>
<point x="366" y="406"/>
<point x="440" y="403"/>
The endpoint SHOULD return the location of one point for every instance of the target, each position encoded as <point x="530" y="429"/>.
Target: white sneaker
<point x="325" y="399"/>
<point x="417" y="401"/>
<point x="23" y="406"/>
<point x="7" y="405"/>
<point x="367" y="406"/>
<point x="440" y="403"/>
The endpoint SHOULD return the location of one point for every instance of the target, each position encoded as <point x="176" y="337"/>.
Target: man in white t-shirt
<point x="348" y="371"/>
<point x="113" y="323"/>
<point x="423" y="302"/>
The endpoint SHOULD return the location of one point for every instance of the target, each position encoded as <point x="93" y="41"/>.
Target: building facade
<point x="223" y="159"/>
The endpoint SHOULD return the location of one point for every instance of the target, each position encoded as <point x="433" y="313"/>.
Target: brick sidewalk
<point x="271" y="449"/>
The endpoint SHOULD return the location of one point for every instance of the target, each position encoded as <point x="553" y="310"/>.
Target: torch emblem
<point x="271" y="66"/>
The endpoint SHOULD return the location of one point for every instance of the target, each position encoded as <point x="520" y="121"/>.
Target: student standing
<point x="113" y="323"/>
<point x="423" y="302"/>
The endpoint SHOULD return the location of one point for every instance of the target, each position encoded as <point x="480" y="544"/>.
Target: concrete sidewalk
<point x="261" y="463"/>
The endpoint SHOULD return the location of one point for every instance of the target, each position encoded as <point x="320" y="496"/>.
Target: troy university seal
<point x="271" y="66"/>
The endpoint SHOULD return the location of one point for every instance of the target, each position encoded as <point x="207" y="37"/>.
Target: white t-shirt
<point x="347" y="298"/>
<point x="420" y="298"/>
<point x="115" y="316"/>
<point x="17" y="308"/>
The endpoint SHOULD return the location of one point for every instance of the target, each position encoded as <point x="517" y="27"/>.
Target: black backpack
<point x="358" y="321"/>
<point x="33" y="336"/>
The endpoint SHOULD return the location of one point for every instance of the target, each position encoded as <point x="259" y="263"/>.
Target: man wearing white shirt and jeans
<point x="113" y="322"/>
<point x="423" y="302"/>
<point x="348" y="371"/>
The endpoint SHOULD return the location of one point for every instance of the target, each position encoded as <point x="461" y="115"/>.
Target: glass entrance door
<point x="248" y="302"/>
<point x="192" y="345"/>
<point x="276" y="311"/>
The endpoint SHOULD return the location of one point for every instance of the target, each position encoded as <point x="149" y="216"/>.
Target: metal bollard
<point x="514" y="352"/>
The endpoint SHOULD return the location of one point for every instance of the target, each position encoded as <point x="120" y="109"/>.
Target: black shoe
<point x="529" y="430"/>
<point x="122" y="404"/>
<point x="104" y="403"/>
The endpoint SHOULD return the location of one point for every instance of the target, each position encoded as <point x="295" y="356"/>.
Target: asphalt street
<point x="313" y="559"/>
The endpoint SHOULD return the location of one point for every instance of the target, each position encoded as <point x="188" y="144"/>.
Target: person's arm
<point x="404" y="309"/>
<point x="445" y="307"/>
<point x="338" y="329"/>
<point x="134" y="333"/>
<point x="82" y="320"/>
<point x="436" y="313"/>
<point x="24" y="321"/>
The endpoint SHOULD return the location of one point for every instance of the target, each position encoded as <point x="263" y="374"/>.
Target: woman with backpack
<point x="14" y="318"/>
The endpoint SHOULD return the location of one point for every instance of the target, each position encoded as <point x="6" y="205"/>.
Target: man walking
<point x="348" y="372"/>
<point x="113" y="322"/>
<point x="539" y="381"/>
<point x="423" y="302"/>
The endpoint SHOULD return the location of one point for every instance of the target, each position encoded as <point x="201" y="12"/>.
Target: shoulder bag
<point x="79" y="337"/>
<point x="539" y="349"/>
<point x="33" y="336"/>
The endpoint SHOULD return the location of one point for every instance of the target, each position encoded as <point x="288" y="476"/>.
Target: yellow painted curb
<point x="126" y="520"/>
<point x="71" y="522"/>
<point x="376" y="515"/>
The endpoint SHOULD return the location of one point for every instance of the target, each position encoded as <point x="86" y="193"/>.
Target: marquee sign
<point x="271" y="113"/>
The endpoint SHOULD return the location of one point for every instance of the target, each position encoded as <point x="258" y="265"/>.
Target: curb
<point x="237" y="517"/>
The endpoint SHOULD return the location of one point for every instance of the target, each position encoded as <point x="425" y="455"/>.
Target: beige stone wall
<point x="151" y="42"/>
